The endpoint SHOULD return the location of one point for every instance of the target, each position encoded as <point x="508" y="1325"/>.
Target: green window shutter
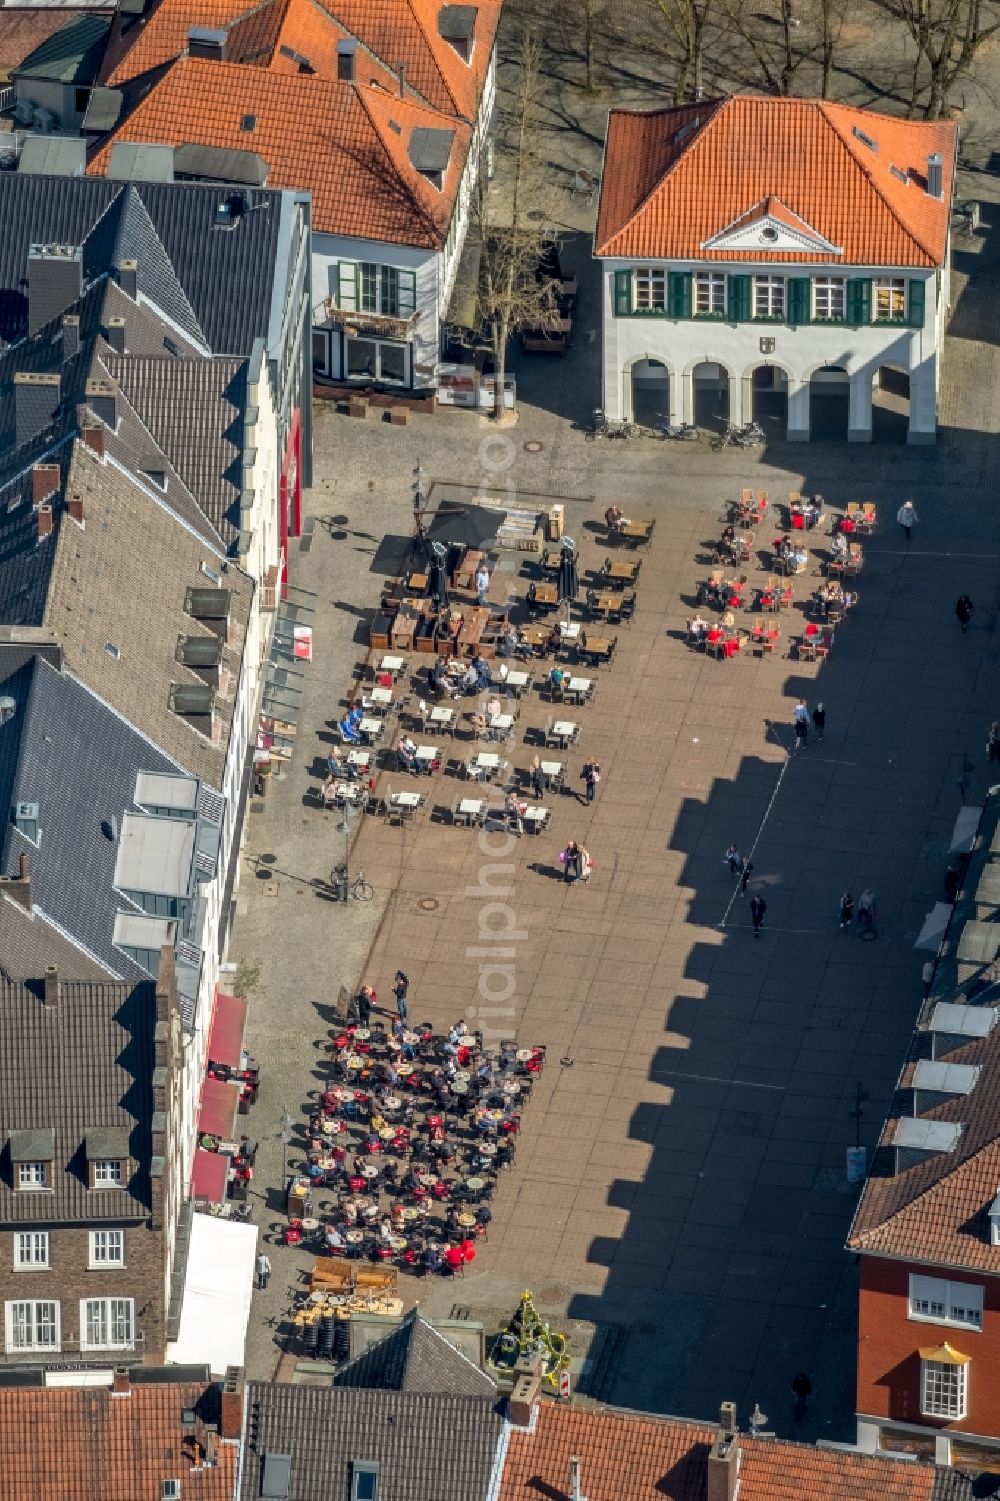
<point x="859" y="301"/>
<point x="347" y="284"/>
<point x="739" y="299"/>
<point x="407" y="293"/>
<point x="797" y="303"/>
<point x="623" y="294"/>
<point x="915" y="304"/>
<point x="679" y="294"/>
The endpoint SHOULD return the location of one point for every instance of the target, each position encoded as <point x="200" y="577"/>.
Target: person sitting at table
<point x="339" y="768"/>
<point x="334" y="1240"/>
<point x="848" y="601"/>
<point x="406" y="758"/>
<point x="522" y="649"/>
<point x="838" y="547"/>
<point x="696" y="628"/>
<point x="615" y="520"/>
<point x="515" y="810"/>
<point x="432" y="1260"/>
<point x="349" y="731"/>
<point x="556" y="679"/>
<point x="812" y="512"/>
<point x="437" y="680"/>
<point x="725" y="551"/>
<point x="469" y="682"/>
<point x="453" y="1259"/>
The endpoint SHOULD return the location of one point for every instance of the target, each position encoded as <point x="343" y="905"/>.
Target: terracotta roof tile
<point x="83" y="1444"/>
<point x="665" y="1459"/>
<point x="164" y="34"/>
<point x="674" y="178"/>
<point x="346" y="144"/>
<point x="937" y="1210"/>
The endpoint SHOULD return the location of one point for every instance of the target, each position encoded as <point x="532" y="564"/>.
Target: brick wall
<point x="889" y="1341"/>
<point x="69" y="1279"/>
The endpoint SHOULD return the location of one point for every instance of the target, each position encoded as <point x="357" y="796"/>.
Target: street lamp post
<point x="344" y="827"/>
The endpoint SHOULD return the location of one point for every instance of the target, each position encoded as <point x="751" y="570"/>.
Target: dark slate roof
<point x="416" y="1357"/>
<point x="29" y="942"/>
<point x="25" y="563"/>
<point x="213" y="282"/>
<point x="67" y="751"/>
<point x="428" y="1447"/>
<point x="195" y="410"/>
<point x="72" y="54"/>
<point x="86" y="1062"/>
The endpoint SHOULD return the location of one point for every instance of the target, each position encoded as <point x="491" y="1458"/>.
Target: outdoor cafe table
<point x="354" y="1061"/>
<point x="563" y="729"/>
<point x="406" y="799"/>
<point x="607" y="603"/>
<point x="486" y="765"/>
<point x="636" y="533"/>
<point x="360" y="758"/>
<point x="525" y="1055"/>
<point x="512" y="1087"/>
<point x="578" y="689"/>
<point x="465" y="1219"/>
<point x="382" y="696"/>
<point x="368" y="1170"/>
<point x="354" y="1237"/>
<point x="535" y="635"/>
<point x="349" y="792"/>
<point x="442" y="715"/>
<point x="626" y="573"/>
<point x="515" y="682"/>
<point x="596" y="647"/>
<point x="425" y="756"/>
<point x="427" y="1180"/>
<point x="371" y="726"/>
<point x="392" y="664"/>
<point x="460" y="1086"/>
<point x="475" y="1185"/>
<point x="569" y="631"/>
<point x="502" y="722"/>
<point x="404" y="1070"/>
<point x="546" y="594"/>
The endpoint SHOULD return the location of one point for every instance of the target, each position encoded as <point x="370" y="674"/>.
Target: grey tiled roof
<point x="194" y="409"/>
<point x="213" y="282"/>
<point x="122" y="578"/>
<point x="427" y="1447"/>
<point x="29" y="941"/>
<point x="416" y="1357"/>
<point x="72" y="755"/>
<point x="86" y="1062"/>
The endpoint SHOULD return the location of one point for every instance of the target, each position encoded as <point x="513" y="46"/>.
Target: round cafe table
<point x="465" y="1219"/>
<point x="343" y="1093"/>
<point x="525" y="1055"/>
<point x="362" y="1034"/>
<point x="329" y="1128"/>
<point x="461" y="1074"/>
<point x="354" y="1237"/>
<point x="387" y="1133"/>
<point x="398" y="1242"/>
<point x="427" y="1179"/>
<point x="368" y="1170"/>
<point x="475" y="1185"/>
<point x="392" y="1102"/>
<point x="487" y="1149"/>
<point x="310" y="1224"/>
<point x="354" y="1061"/>
<point x="411" y="1039"/>
<point x="410" y="1213"/>
<point x="459" y="1086"/>
<point x="512" y="1087"/>
<point x="404" y="1070"/>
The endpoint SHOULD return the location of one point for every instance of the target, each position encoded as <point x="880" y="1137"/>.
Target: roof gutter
<point x="499" y="1462"/>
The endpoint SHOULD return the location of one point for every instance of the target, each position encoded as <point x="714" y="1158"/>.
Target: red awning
<point x="208" y="1176"/>
<point x="217" y="1116"/>
<point x="225" y="1037"/>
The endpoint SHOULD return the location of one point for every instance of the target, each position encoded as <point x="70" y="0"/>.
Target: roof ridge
<point x="824" y="107"/>
<point x="922" y="1194"/>
<point x="715" y="108"/>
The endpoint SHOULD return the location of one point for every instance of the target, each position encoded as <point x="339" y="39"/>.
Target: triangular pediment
<point x="768" y="228"/>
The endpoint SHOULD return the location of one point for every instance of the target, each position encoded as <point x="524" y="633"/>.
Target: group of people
<point x="800" y="723"/>
<point x="577" y="863"/>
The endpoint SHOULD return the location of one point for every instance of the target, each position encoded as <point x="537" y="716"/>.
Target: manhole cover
<point x="428" y="904"/>
<point x="340" y="520"/>
<point x="267" y="859"/>
<point x="534" y="446"/>
<point x="551" y="1295"/>
<point x="338" y="536"/>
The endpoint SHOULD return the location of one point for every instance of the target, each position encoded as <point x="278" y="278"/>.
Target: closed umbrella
<point x="569" y="580"/>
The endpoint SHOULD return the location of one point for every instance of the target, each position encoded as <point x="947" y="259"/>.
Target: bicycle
<point x="604" y="427"/>
<point x="748" y="436"/>
<point x="687" y="432"/>
<point x="359" y="889"/>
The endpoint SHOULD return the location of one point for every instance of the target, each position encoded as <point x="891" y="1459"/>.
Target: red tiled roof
<point x="346" y="144"/>
<point x="664" y="1459"/>
<point x="675" y="178"/>
<point x="83" y="1444"/>
<point x="937" y="1211"/>
<point x="390" y="32"/>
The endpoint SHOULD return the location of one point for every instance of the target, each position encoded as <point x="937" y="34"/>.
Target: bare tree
<point x="513" y="291"/>
<point x="832" y="17"/>
<point x="948" y="35"/>
<point x="776" y="39"/>
<point x="690" y="25"/>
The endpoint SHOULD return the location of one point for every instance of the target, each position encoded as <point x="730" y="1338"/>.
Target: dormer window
<point x="346" y="61"/>
<point x="995" y="1221"/>
<point x="457" y="26"/>
<point x="106" y="1151"/>
<point x="31" y="1154"/>
<point x="32" y="1175"/>
<point x="430" y="153"/>
<point x="107" y="1173"/>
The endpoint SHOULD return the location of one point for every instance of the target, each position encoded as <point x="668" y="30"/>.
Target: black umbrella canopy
<point x="569" y="579"/>
<point x="468" y="526"/>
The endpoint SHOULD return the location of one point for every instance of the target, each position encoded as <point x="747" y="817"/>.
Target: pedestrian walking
<point x="800" y="719"/>
<point x="591" y="774"/>
<point x="952" y="880"/>
<point x="758" y="907"/>
<point x="482" y="583"/>
<point x="400" y="986"/>
<point x="539" y="781"/>
<point x="866" y="911"/>
<point x="846" y="910"/>
<point x="965" y="610"/>
<point x="993" y="741"/>
<point x="802" y="1389"/>
<point x="819" y="720"/>
<point x="366" y="1000"/>
<point x="572" y="863"/>
<point x="263" y="1270"/>
<point x="746" y="866"/>
<point x="586" y="864"/>
<point x="907" y="518"/>
<point x="735" y="860"/>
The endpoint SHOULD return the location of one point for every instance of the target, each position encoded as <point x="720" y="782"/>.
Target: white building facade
<point x="772" y="314"/>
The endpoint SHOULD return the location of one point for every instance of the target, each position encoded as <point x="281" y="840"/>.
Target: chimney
<point x="102" y="398"/>
<point x="128" y="278"/>
<point x="55" y="282"/>
<point x="575" y="1492"/>
<point x="120" y="1383"/>
<point x="44" y="482"/>
<point x="45" y="521"/>
<point x="76" y="508"/>
<point x="724" y="1458"/>
<point x="231" y="1409"/>
<point x="935" y="171"/>
<point x="36" y="401"/>
<point x="524" y="1393"/>
<point x="18" y="887"/>
<point x="116" y="336"/>
<point x="402" y="80"/>
<point x="51" y="985"/>
<point x="70" y="335"/>
<point x="93" y="436"/>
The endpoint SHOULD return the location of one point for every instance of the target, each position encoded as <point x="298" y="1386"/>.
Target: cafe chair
<point x="627" y="612"/>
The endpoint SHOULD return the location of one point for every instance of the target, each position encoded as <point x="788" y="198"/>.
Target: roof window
<point x="457" y="26"/>
<point x="364" y="1480"/>
<point x="865" y="140"/>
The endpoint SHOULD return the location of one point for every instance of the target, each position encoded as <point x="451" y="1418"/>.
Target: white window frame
<point x="829" y="299"/>
<point x="31" y="1250"/>
<point x="36" y="1315"/>
<point x="944" y="1390"/>
<point x="936" y="1300"/>
<point x="770" y="297"/>
<point x="649" y="290"/>
<point x="713" y="285"/>
<point x="108" y="1173"/>
<point x="32" y="1176"/>
<point x="894" y="289"/>
<point x="104" y="1251"/>
<point x="109" y="1315"/>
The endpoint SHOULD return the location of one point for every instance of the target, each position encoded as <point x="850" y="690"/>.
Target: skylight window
<point x="865" y="140"/>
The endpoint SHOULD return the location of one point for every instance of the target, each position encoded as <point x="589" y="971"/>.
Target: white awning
<point x="965" y="830"/>
<point x="217" y="1290"/>
<point x="934" y="927"/>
